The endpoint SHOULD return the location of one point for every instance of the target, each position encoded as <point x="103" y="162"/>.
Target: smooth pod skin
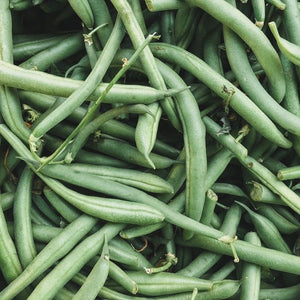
<point x="22" y="222"/>
<point x="35" y="81"/>
<point x="267" y="231"/>
<point x="142" y="180"/>
<point x="84" y="11"/>
<point x="251" y="273"/>
<point x="112" y="210"/>
<point x="166" y="283"/>
<point x="89" y="290"/>
<point x="290" y="50"/>
<point x="60" y="51"/>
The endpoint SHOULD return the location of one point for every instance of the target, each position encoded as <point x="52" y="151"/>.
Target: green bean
<point x="53" y="251"/>
<point x="267" y="231"/>
<point x="37" y="217"/>
<point x="291" y="98"/>
<point x="36" y="81"/>
<point x="89" y="44"/>
<point x="257" y="41"/>
<point x="7" y="200"/>
<point x="24" y="50"/>
<point x="252" y="87"/>
<point x="122" y="252"/>
<point x="167" y="283"/>
<point x="108" y="293"/>
<point x="225" y="139"/>
<point x="101" y="16"/>
<point x="111" y="127"/>
<point x="171" y="216"/>
<point x="209" y="206"/>
<point x="261" y="193"/>
<point x="80" y="95"/>
<point x="286" y="214"/>
<point x="176" y="178"/>
<point x="10" y="106"/>
<point x="288" y="293"/>
<point x="259" y="12"/>
<point x="87" y="157"/>
<point x="84" y="11"/>
<point x="216" y="82"/>
<point x="273" y="165"/>
<point x="290" y="50"/>
<point x="211" y="51"/>
<point x="20" y="4"/>
<point x="250" y="273"/>
<point x="130" y="154"/>
<point x="129" y="233"/>
<point x="283" y="225"/>
<point x="167" y="27"/>
<point x="146" y="129"/>
<point x="205" y="260"/>
<point x="223" y="272"/>
<point x="227" y="188"/>
<point x="162" y="5"/>
<point x="43" y="233"/>
<point x="138" y="13"/>
<point x="96" y="123"/>
<point x="65" y="48"/>
<point x="185" y="25"/>
<point x="98" y="274"/>
<point x="122" y="278"/>
<point x="289" y="173"/>
<point x="145" y="181"/>
<point x="221" y="290"/>
<point x="269" y="180"/>
<point x="277" y="3"/>
<point x="46" y="209"/>
<point x="262" y="256"/>
<point x="73" y="262"/>
<point x="9" y="261"/>
<point x="194" y="139"/>
<point x="22" y="222"/>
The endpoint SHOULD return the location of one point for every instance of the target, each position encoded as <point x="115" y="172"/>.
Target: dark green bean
<point x="9" y="262"/>
<point x="22" y="221"/>
<point x="67" y="47"/>
<point x="102" y="16"/>
<point x="7" y="200"/>
<point x="122" y="278"/>
<point x="26" y="49"/>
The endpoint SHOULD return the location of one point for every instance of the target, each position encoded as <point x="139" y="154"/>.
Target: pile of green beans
<point x="149" y="149"/>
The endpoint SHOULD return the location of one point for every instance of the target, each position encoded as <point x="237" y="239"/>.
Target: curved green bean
<point x="236" y="99"/>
